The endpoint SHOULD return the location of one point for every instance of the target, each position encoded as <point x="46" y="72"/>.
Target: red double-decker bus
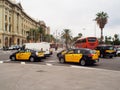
<point x="88" y="42"/>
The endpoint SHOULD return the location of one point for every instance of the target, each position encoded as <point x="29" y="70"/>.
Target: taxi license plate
<point x="40" y="54"/>
<point x="110" y="51"/>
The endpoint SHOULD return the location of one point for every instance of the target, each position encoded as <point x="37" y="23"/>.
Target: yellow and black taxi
<point x="97" y="52"/>
<point x="27" y="54"/>
<point x="83" y="56"/>
<point x="62" y="52"/>
<point x="106" y="51"/>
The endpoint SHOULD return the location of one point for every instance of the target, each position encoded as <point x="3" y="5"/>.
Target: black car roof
<point x="104" y="46"/>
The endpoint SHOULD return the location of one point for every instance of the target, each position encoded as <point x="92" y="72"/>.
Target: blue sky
<point x="76" y="15"/>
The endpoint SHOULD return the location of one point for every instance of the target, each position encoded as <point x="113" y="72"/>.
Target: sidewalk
<point x="42" y="77"/>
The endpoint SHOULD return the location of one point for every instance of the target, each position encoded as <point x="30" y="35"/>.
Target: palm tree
<point x="101" y="20"/>
<point x="79" y="36"/>
<point x="31" y="35"/>
<point x="116" y="36"/>
<point x="52" y="38"/>
<point x="49" y="38"/>
<point x="116" y="40"/>
<point x="41" y="31"/>
<point x="67" y="36"/>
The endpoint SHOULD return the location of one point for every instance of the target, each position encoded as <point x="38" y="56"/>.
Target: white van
<point x="42" y="46"/>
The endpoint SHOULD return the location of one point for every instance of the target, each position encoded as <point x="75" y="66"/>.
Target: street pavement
<point x="46" y="77"/>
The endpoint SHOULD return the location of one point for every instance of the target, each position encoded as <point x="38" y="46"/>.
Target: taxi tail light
<point x="90" y="55"/>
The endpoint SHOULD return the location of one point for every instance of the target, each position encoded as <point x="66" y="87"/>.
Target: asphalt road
<point x="104" y="63"/>
<point x="51" y="75"/>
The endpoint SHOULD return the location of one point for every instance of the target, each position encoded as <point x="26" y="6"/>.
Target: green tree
<point x="79" y="36"/>
<point x="66" y="35"/>
<point x="41" y="32"/>
<point x="116" y="40"/>
<point x="31" y="35"/>
<point x="116" y="36"/>
<point x="101" y="19"/>
<point x="52" y="38"/>
<point x="108" y="40"/>
<point x="48" y="38"/>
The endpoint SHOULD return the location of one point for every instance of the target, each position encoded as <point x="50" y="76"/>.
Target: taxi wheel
<point x="61" y="60"/>
<point x="82" y="62"/>
<point x="32" y="59"/>
<point x="13" y="58"/>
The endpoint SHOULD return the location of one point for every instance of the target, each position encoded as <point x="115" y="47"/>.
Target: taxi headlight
<point x="37" y="53"/>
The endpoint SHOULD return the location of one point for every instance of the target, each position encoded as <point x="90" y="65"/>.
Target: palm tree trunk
<point x="66" y="44"/>
<point x="41" y="38"/>
<point x="101" y="40"/>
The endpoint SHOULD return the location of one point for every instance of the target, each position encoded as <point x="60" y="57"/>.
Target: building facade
<point x="15" y="24"/>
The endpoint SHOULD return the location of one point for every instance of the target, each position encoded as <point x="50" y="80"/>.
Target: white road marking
<point x="48" y="64"/>
<point x="73" y="66"/>
<point x="22" y="62"/>
<point x="82" y="67"/>
<point x="7" y="60"/>
<point x="50" y="61"/>
<point x="1" y="61"/>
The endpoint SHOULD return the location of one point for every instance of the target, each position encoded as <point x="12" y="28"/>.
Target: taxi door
<point x="69" y="56"/>
<point x="77" y="56"/>
<point x="23" y="55"/>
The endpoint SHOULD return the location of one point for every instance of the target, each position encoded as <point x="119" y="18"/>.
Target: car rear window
<point x="92" y="51"/>
<point x="110" y="48"/>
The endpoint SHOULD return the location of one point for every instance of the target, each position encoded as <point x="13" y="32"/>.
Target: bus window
<point x="88" y="42"/>
<point x="91" y="39"/>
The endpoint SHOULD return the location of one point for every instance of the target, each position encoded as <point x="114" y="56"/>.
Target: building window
<point x="5" y="26"/>
<point x="22" y="32"/>
<point x="5" y="17"/>
<point x="9" y="27"/>
<point x="9" y="19"/>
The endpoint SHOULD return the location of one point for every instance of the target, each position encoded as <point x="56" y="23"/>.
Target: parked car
<point x="106" y="51"/>
<point x="5" y="48"/>
<point x="14" y="47"/>
<point x="27" y="54"/>
<point x="42" y="46"/>
<point x="83" y="56"/>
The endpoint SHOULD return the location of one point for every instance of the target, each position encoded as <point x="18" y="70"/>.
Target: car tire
<point x="32" y="59"/>
<point x="62" y="60"/>
<point x="13" y="58"/>
<point x="82" y="62"/>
